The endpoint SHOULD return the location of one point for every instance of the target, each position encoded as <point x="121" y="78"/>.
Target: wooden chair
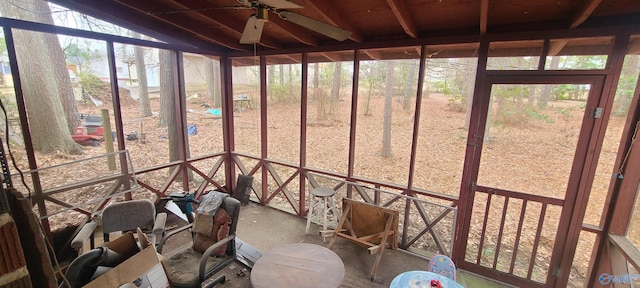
<point x="368" y="225"/>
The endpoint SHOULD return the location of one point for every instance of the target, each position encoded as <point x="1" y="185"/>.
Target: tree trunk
<point x="531" y="99"/>
<point x="290" y="82"/>
<point x="316" y="76"/>
<point x="370" y="80"/>
<point x="167" y="93"/>
<point x="388" y="103"/>
<point x="60" y="71"/>
<point x="335" y="89"/>
<point x="40" y="54"/>
<point x="408" y="87"/>
<point x="623" y="99"/>
<point x="271" y="76"/>
<point x="143" y="87"/>
<point x="210" y="79"/>
<point x="166" y="88"/>
<point x="217" y="92"/>
<point x="321" y="100"/>
<point x="545" y="95"/>
<point x="469" y="85"/>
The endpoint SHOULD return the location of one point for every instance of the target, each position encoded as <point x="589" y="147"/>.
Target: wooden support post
<point x="108" y="139"/>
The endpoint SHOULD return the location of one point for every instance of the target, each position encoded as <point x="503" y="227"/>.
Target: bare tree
<point x="50" y="102"/>
<point x="409" y="84"/>
<point x="316" y="77"/>
<point x="217" y="93"/>
<point x="469" y="65"/>
<point x="321" y="103"/>
<point x="271" y="80"/>
<point x="167" y="89"/>
<point x="290" y="80"/>
<point x="168" y="102"/>
<point x="335" y="88"/>
<point x="545" y="95"/>
<point x="337" y="75"/>
<point x="141" y="71"/>
<point x="388" y="103"/>
<point x="210" y="79"/>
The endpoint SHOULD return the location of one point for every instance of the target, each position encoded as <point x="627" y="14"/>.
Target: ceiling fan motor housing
<point x="262" y="14"/>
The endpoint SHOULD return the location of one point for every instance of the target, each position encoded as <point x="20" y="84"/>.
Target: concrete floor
<point x="265" y="228"/>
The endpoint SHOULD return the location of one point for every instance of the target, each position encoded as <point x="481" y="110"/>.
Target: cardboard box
<point x="143" y="268"/>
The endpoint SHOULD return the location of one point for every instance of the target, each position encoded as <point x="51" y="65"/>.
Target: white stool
<point x="320" y="206"/>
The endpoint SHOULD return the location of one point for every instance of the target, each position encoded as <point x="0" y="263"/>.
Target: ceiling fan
<point x="253" y="28"/>
<point x="255" y="23"/>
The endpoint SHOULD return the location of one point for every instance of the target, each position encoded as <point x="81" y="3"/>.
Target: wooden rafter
<point x="634" y="46"/>
<point x="484" y="15"/>
<point x="556" y="46"/>
<point x="190" y="24"/>
<point x="332" y="15"/>
<point x="583" y="12"/>
<point x="130" y="18"/>
<point x="244" y="61"/>
<point x="225" y="20"/>
<point x="375" y="55"/>
<point x="331" y="56"/>
<point x="418" y="49"/>
<point x="215" y="17"/>
<point x="400" y="10"/>
<point x="296" y="58"/>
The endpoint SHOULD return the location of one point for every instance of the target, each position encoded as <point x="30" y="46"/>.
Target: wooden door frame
<point x="579" y="183"/>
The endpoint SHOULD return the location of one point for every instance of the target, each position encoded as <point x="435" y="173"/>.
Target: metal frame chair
<point x="125" y="216"/>
<point x="181" y="263"/>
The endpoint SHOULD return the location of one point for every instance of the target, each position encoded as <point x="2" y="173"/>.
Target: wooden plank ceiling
<point x="218" y="25"/>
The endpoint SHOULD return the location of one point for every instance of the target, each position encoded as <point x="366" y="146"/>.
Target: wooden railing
<point x="512" y="235"/>
<point x="426" y="227"/>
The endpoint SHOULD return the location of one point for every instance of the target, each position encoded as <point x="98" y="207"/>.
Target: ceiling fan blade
<point x="280" y="4"/>
<point x="252" y="31"/>
<point x="315" y="25"/>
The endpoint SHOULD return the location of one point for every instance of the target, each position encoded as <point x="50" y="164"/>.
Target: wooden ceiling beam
<point x="238" y="27"/>
<point x="583" y="12"/>
<point x="140" y="22"/>
<point x="331" y="14"/>
<point x="297" y="32"/>
<point x="297" y="58"/>
<point x="219" y="17"/>
<point x="484" y="15"/>
<point x="330" y="57"/>
<point x="400" y="10"/>
<point x="375" y="55"/>
<point x="556" y="46"/>
<point x="244" y="61"/>
<point x="430" y="54"/>
<point x="184" y="22"/>
<point x="634" y="46"/>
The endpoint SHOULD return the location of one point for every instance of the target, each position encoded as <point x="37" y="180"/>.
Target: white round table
<point x="299" y="265"/>
<point x="422" y="279"/>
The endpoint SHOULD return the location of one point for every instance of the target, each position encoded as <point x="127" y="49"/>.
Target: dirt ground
<point x="530" y="155"/>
